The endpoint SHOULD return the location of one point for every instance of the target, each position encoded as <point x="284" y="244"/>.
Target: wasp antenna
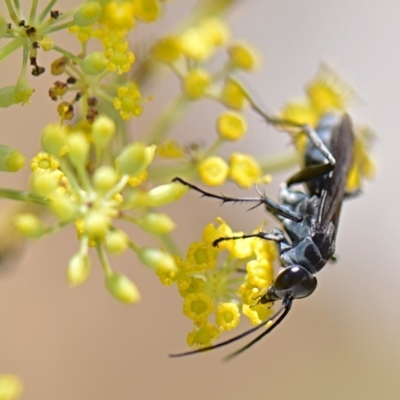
<point x="287" y="305"/>
<point x="281" y="313"/>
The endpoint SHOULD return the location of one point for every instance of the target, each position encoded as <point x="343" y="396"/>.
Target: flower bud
<point x="156" y="223"/>
<point x="165" y="194"/>
<point x="157" y="259"/>
<point x="103" y="130"/>
<point x="44" y="183"/>
<point x="94" y="63"/>
<point x="29" y="225"/>
<point x="134" y="159"/>
<point x="54" y="138"/>
<point x="96" y="225"/>
<point x="87" y="13"/>
<point x="78" y="147"/>
<point x="122" y="288"/>
<point x="104" y="178"/>
<point x="116" y="242"/>
<point x="11" y="160"/>
<point x="78" y="269"/>
<point x="63" y="207"/>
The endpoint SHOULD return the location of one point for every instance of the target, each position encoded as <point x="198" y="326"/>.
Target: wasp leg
<point x="272" y="206"/>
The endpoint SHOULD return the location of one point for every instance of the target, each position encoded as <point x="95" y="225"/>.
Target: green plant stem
<point x="170" y="245"/>
<point x="46" y="10"/>
<point x="10" y="48"/>
<point x="21" y="195"/>
<point x="104" y="261"/>
<point x="279" y="162"/>
<point x="168" y="119"/>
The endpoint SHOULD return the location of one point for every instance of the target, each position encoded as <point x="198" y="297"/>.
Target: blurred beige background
<point x="341" y="343"/>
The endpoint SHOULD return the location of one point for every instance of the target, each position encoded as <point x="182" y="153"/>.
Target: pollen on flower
<point x="213" y="171"/>
<point x="227" y="316"/>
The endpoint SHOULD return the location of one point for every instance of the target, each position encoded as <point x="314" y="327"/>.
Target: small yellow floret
<point x="198" y="306"/>
<point x="195" y="83"/>
<point x="231" y="125"/>
<point x="202" y="335"/>
<point x="213" y="171"/>
<point x="243" y="56"/>
<point x="227" y="316"/>
<point x="200" y="257"/>
<point x="244" y="170"/>
<point x="233" y="95"/>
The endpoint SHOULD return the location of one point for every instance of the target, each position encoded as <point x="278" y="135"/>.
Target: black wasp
<point x="309" y="218"/>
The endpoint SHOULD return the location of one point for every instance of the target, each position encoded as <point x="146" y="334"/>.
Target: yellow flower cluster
<point x="95" y="201"/>
<point x="326" y="93"/>
<point x="214" y="296"/>
<point x="187" y="54"/>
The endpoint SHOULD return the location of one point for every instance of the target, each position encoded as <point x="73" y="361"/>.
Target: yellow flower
<point x="363" y="166"/>
<point x="227" y="316"/>
<point x="195" y="83"/>
<point x="244" y="170"/>
<point x="231" y="125"/>
<point x="300" y="112"/>
<point x="210" y="233"/>
<point x="167" y="50"/>
<point x="233" y="94"/>
<point x="260" y="273"/>
<point x="10" y="387"/>
<point x="257" y="313"/>
<point x="198" y="306"/>
<point x="190" y="285"/>
<point x="202" y="335"/>
<point x="328" y="92"/>
<point x="243" y="56"/>
<point x="213" y="171"/>
<point x="200" y="257"/>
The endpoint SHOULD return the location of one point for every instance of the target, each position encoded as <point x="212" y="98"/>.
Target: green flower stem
<point x="11" y="12"/>
<point x="21" y="195"/>
<point x="55" y="228"/>
<point x="70" y="176"/>
<point x="133" y="246"/>
<point x="10" y="48"/>
<point x="279" y="162"/>
<point x="84" y="178"/>
<point x="32" y="12"/>
<point x="168" y="119"/>
<point x="67" y="54"/>
<point x="46" y="10"/>
<point x="118" y="187"/>
<point x="18" y="8"/>
<point x="60" y="27"/>
<point x="214" y="147"/>
<point x="170" y="245"/>
<point x="104" y="261"/>
<point x="167" y="172"/>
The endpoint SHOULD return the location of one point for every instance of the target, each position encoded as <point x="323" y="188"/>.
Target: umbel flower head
<point x="94" y="202"/>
